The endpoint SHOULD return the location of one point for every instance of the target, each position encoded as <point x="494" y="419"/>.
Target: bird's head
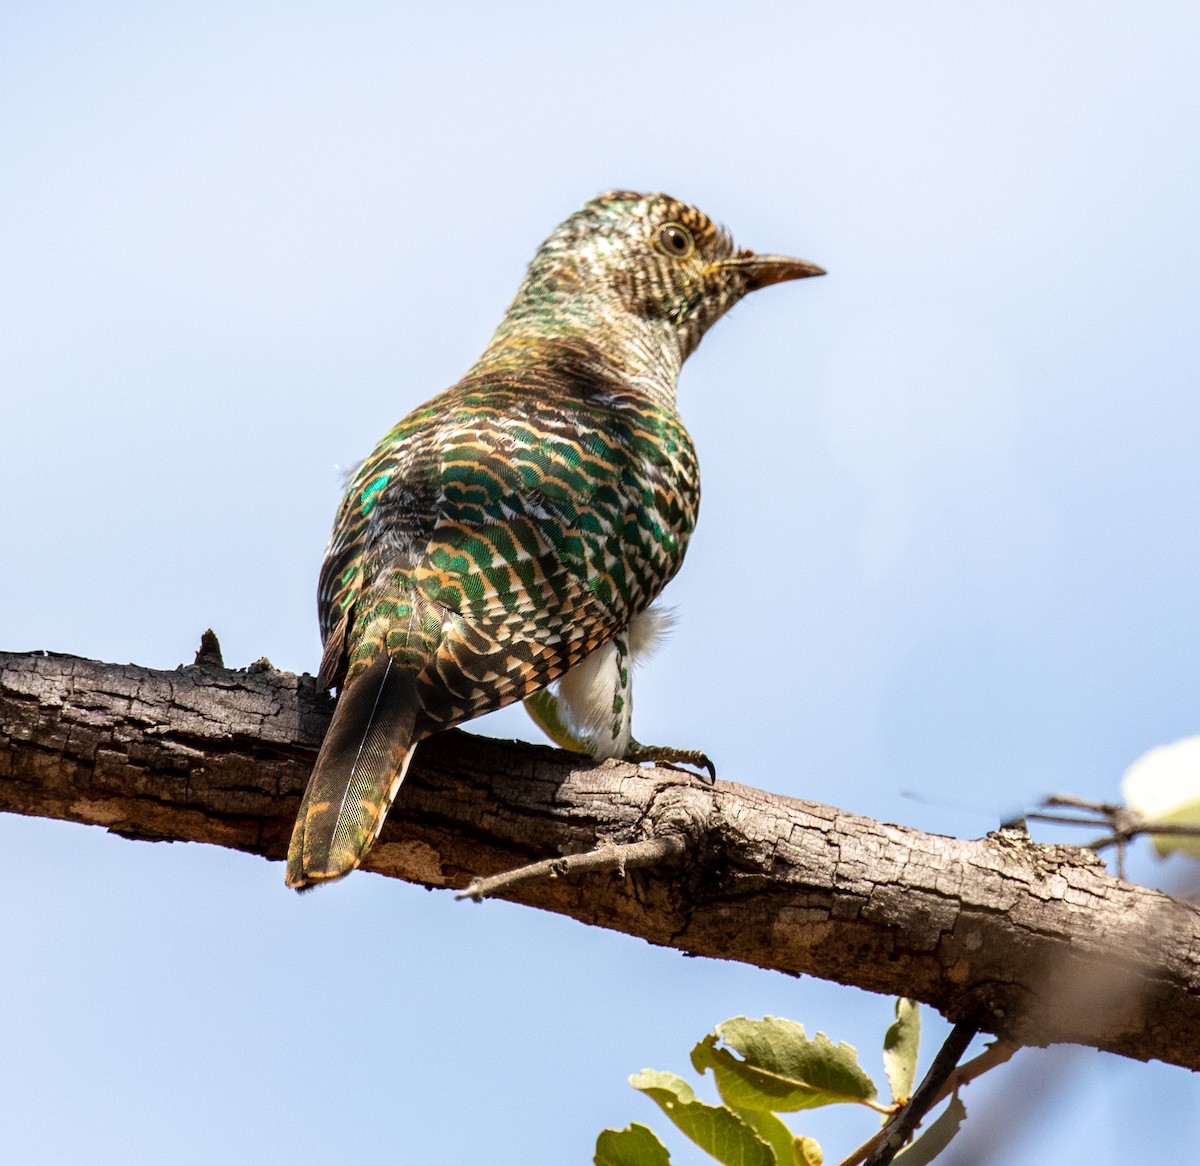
<point x="642" y="276"/>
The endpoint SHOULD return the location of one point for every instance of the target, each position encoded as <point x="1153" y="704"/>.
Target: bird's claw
<point x="674" y="758"/>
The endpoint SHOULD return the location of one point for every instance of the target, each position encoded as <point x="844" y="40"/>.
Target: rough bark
<point x="1035" y="943"/>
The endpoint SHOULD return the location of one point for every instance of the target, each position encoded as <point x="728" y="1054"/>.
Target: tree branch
<point x="900" y="1127"/>
<point x="994" y="1055"/>
<point x="1035" y="943"/>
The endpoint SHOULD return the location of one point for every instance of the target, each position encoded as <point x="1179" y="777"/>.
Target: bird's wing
<point x="386" y="519"/>
<point x="500" y="537"/>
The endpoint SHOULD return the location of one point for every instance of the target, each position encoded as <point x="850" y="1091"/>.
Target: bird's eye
<point x="675" y="241"/>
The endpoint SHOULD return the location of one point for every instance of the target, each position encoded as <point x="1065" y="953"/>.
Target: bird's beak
<point x="764" y="270"/>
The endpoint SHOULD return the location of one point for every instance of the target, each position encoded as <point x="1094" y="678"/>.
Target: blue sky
<point x="949" y="544"/>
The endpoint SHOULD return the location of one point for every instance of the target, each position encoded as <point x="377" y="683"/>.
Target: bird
<point x="512" y="533"/>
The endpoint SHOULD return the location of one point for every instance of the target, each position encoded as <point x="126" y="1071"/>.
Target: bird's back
<point x="503" y="531"/>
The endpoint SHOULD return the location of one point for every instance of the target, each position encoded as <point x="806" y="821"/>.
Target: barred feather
<point x="358" y="772"/>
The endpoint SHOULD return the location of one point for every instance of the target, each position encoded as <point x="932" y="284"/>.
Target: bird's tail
<point x="360" y="767"/>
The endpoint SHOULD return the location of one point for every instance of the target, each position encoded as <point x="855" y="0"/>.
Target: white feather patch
<point x="587" y="692"/>
<point x="648" y="632"/>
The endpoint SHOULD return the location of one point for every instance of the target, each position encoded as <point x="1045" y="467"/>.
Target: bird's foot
<point x="675" y="758"/>
<point x="548" y="714"/>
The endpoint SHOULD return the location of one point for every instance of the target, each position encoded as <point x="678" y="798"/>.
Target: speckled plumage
<point x="524" y="518"/>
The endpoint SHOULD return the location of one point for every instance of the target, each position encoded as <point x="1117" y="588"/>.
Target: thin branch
<point x="1124" y="824"/>
<point x="997" y="1053"/>
<point x="899" y="1128"/>
<point x="1126" y="827"/>
<point x="651" y="852"/>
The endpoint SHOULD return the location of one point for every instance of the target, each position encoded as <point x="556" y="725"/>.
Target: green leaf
<point x="635" y="1146"/>
<point x="715" y="1129"/>
<point x="901" y="1043"/>
<point x="782" y="1071"/>
<point x="935" y="1139"/>
<point x="788" y="1149"/>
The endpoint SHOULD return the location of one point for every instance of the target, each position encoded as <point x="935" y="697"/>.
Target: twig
<point x="995" y="1054"/>
<point x="900" y="1128"/>
<point x="1123" y="823"/>
<point x="613" y="857"/>
<point x="1081" y="803"/>
<point x="1122" y="828"/>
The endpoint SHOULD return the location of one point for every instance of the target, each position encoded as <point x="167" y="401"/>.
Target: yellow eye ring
<point x="674" y="241"/>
